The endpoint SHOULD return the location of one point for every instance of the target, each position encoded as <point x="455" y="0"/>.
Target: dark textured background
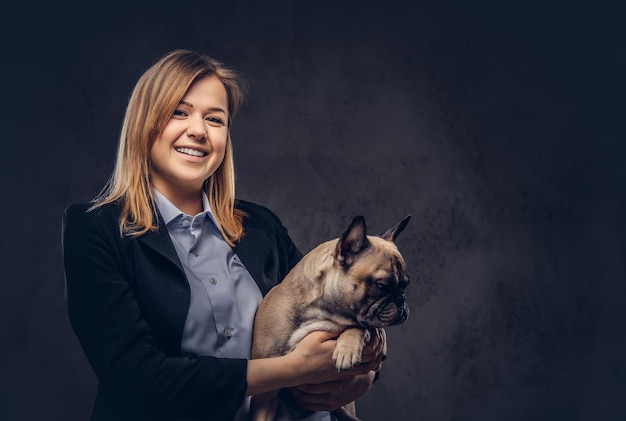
<point x="495" y="124"/>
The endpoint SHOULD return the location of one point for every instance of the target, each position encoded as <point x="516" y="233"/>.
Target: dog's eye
<point x="381" y="285"/>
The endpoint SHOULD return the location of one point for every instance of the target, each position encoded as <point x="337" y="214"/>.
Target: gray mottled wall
<point x="495" y="124"/>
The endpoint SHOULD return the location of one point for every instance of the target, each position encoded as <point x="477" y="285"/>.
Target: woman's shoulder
<point x="257" y="215"/>
<point x="253" y="208"/>
<point x="87" y="210"/>
<point x="84" y="214"/>
<point x="262" y="223"/>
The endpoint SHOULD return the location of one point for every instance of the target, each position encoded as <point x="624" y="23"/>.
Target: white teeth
<point x="190" y="151"/>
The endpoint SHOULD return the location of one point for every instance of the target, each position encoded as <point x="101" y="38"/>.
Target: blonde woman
<point x="165" y="268"/>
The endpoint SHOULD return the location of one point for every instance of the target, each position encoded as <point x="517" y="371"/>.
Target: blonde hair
<point x="152" y="102"/>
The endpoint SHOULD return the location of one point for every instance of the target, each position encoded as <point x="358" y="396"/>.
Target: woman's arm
<point x="137" y="366"/>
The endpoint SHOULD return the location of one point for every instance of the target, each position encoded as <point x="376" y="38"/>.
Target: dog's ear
<point x="392" y="233"/>
<point x="352" y="242"/>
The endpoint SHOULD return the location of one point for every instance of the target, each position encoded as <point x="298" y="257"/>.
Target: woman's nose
<point x="196" y="128"/>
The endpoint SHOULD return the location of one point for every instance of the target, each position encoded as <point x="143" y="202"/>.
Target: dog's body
<point x="351" y="285"/>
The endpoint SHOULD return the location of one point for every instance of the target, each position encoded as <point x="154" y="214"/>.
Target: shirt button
<point x="185" y="222"/>
<point x="213" y="281"/>
<point x="228" y="332"/>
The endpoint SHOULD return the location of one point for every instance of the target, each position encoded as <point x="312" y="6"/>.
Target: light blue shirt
<point x="224" y="296"/>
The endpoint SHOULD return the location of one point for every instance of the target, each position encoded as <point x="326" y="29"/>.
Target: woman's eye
<point x="179" y="113"/>
<point x="215" y="120"/>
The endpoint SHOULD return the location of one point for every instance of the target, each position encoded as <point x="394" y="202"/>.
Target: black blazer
<point x="127" y="301"/>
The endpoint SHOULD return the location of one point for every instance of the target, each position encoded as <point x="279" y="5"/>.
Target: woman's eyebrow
<point x="210" y="109"/>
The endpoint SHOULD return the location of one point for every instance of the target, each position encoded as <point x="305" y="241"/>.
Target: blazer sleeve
<point x="117" y="340"/>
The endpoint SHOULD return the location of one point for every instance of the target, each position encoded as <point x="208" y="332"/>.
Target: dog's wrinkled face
<point x="382" y="290"/>
<point x="373" y="275"/>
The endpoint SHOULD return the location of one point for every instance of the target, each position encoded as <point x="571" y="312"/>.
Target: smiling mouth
<point x="191" y="152"/>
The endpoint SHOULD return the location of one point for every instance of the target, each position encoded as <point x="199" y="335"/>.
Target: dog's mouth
<point x="393" y="314"/>
<point x="386" y="314"/>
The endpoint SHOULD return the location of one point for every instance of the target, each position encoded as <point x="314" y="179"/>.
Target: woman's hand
<point x="310" y="362"/>
<point x="332" y="394"/>
<point x="312" y="358"/>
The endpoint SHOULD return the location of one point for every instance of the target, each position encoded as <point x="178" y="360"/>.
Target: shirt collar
<point x="169" y="211"/>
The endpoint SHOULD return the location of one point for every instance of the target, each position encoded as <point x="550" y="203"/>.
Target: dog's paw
<point x="345" y="356"/>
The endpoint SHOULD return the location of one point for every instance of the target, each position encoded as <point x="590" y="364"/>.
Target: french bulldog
<point x="352" y="284"/>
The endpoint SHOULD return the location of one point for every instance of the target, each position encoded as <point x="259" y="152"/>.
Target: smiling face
<point x="192" y="145"/>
